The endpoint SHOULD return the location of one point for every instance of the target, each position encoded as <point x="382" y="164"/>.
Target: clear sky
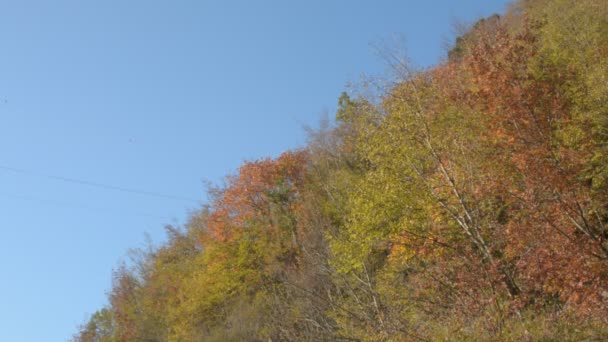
<point x="159" y="96"/>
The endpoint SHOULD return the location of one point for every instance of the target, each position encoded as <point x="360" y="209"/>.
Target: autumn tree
<point x="465" y="201"/>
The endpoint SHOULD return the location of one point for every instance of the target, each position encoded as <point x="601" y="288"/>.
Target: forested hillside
<point x="465" y="202"/>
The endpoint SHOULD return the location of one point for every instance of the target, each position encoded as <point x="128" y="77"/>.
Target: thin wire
<point x="95" y="184"/>
<point x="80" y="206"/>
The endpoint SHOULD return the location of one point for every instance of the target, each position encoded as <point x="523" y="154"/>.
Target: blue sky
<point x="160" y="96"/>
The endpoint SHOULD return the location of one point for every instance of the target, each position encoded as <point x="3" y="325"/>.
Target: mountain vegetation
<point x="468" y="201"/>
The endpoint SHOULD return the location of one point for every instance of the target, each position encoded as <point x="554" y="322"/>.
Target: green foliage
<point x="575" y="40"/>
<point x="100" y="328"/>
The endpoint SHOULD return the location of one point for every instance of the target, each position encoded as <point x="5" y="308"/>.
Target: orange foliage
<point x="246" y="197"/>
<point x="550" y="235"/>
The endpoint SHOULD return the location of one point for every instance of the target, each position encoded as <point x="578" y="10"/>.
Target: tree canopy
<point x="468" y="201"/>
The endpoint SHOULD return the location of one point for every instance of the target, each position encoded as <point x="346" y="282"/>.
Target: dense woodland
<point x="468" y="201"/>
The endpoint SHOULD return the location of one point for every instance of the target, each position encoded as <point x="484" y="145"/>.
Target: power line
<point x="96" y="184"/>
<point x="80" y="206"/>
